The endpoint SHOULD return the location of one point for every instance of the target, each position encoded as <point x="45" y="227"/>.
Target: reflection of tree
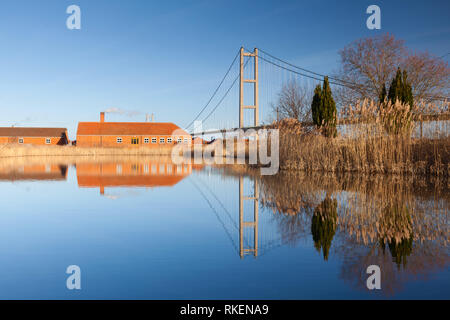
<point x="396" y="230"/>
<point x="398" y="223"/>
<point x="400" y="251"/>
<point x="323" y="226"/>
<point x="426" y="259"/>
<point x="293" y="227"/>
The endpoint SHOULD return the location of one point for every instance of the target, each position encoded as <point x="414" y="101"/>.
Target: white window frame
<point x="48" y="140"/>
<point x="119" y="140"/>
<point x="146" y="140"/>
<point x="154" y="140"/>
<point x="21" y="140"/>
<point x="179" y="140"/>
<point x="162" y="140"/>
<point x="169" y="140"/>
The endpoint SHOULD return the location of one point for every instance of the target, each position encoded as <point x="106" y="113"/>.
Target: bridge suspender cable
<point x="215" y="91"/>
<point x="340" y="82"/>
<point x="226" y="93"/>
<point x="306" y="70"/>
<point x="282" y="64"/>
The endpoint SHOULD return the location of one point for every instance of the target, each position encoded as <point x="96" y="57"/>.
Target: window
<point x="179" y="140"/>
<point x="119" y="169"/>
<point x="119" y="140"/>
<point x="134" y="141"/>
<point x="48" y="140"/>
<point x="153" y="140"/>
<point x="161" y="140"/>
<point x="185" y="140"/>
<point x="20" y="140"/>
<point x="146" y="168"/>
<point x="146" y="140"/>
<point x="169" y="140"/>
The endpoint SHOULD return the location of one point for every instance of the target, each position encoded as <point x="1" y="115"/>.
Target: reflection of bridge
<point x="243" y="230"/>
<point x="253" y="234"/>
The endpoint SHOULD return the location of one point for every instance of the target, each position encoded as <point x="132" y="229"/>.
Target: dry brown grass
<point x="11" y="150"/>
<point x="381" y="143"/>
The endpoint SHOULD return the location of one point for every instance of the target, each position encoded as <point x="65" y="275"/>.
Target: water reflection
<point x="398" y="223"/>
<point x="323" y="225"/>
<point x="39" y="172"/>
<point x="132" y="173"/>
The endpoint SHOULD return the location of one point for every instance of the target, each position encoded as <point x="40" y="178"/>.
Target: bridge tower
<point x="255" y="105"/>
<point x="253" y="224"/>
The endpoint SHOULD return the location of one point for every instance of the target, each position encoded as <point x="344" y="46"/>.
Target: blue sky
<point x="167" y="57"/>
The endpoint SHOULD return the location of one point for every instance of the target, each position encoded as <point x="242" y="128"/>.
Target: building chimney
<point x="147" y="117"/>
<point x="102" y="117"/>
<point x="153" y="117"/>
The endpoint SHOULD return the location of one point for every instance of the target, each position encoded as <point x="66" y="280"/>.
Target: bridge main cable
<point x="215" y="92"/>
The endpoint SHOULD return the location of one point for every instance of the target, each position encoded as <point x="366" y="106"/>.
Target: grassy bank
<point x="382" y="143"/>
<point x="71" y="151"/>
<point x="388" y="154"/>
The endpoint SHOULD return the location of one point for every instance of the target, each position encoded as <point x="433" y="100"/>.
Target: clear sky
<point x="167" y="57"/>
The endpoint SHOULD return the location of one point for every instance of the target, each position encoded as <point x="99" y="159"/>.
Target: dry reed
<point x="381" y="142"/>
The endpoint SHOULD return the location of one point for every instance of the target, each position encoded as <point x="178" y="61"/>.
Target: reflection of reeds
<point x="15" y="163"/>
<point x="371" y="208"/>
<point x="399" y="223"/>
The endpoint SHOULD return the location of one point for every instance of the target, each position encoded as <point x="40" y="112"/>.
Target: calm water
<point x="147" y="229"/>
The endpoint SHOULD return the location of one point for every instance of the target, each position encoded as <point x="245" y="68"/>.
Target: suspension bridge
<point x="251" y="86"/>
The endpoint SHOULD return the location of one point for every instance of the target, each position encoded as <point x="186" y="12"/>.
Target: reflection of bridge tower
<point x="243" y="224"/>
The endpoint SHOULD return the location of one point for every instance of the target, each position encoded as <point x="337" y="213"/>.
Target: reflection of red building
<point x="34" y="172"/>
<point x="131" y="174"/>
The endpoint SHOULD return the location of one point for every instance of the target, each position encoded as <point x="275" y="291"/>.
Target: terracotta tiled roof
<point x="32" y="132"/>
<point x="128" y="128"/>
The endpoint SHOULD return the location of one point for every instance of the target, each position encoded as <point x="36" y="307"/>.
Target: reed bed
<point x="382" y="142"/>
<point x="11" y="150"/>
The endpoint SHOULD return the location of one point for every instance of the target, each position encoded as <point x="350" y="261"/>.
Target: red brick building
<point x="130" y="134"/>
<point x="34" y="136"/>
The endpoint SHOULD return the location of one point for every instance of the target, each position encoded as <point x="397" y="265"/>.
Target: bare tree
<point x="428" y="75"/>
<point x="369" y="64"/>
<point x="294" y="101"/>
